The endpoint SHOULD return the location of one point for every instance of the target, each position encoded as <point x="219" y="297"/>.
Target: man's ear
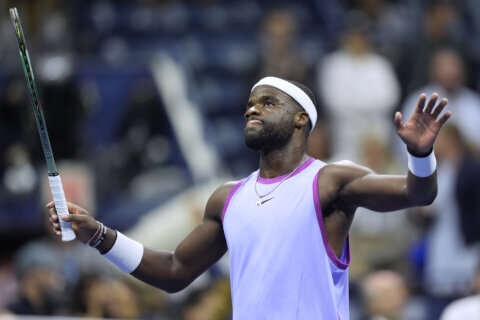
<point x="301" y="119"/>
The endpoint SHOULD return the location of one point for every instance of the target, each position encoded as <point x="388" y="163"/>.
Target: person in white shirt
<point x="467" y="308"/>
<point x="359" y="91"/>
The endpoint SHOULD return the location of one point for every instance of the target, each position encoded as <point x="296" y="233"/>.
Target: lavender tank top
<point x="281" y="265"/>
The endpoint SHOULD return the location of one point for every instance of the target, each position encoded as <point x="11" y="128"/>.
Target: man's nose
<point x="253" y="110"/>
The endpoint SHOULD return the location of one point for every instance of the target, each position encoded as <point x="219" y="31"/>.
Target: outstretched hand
<point x="83" y="224"/>
<point x="421" y="130"/>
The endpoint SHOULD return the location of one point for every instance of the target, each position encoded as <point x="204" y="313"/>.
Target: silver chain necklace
<point x="259" y="201"/>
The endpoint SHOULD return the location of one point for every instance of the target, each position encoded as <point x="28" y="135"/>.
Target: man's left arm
<point x="364" y="188"/>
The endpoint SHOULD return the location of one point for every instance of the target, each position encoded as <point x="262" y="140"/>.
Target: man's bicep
<point x="201" y="249"/>
<point x="361" y="187"/>
<point x="377" y="192"/>
<point x="204" y="246"/>
<point x="173" y="271"/>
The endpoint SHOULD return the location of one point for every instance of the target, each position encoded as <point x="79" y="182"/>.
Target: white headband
<point x="293" y="91"/>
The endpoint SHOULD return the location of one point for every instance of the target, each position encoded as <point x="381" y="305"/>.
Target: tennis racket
<point x="53" y="176"/>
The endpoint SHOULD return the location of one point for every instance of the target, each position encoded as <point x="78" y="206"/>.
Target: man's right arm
<point x="169" y="271"/>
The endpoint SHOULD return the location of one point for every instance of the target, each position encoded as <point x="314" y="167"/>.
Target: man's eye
<point x="268" y="104"/>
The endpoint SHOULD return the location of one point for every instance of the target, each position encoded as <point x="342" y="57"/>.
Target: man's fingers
<point x="398" y="120"/>
<point x="431" y="103"/>
<point x="439" y="108"/>
<point x="54" y="217"/>
<point x="74" y="217"/>
<point x="74" y="209"/>
<point x="81" y="220"/>
<point x="421" y="103"/>
<point x="445" y="117"/>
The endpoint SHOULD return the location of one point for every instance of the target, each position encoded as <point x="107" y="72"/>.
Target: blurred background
<point x="144" y="102"/>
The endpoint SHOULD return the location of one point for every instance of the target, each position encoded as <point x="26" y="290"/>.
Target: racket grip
<point x="61" y="206"/>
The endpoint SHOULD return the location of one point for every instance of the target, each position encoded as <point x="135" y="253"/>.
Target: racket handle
<point x="61" y="206"/>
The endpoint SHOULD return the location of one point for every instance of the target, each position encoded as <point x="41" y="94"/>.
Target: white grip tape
<point x="125" y="253"/>
<point x="422" y="167"/>
<point x="61" y="206"/>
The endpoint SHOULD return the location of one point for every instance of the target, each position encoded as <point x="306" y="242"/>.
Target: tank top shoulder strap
<point x="232" y="192"/>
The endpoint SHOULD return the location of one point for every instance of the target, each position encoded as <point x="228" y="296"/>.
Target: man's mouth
<point x="253" y="123"/>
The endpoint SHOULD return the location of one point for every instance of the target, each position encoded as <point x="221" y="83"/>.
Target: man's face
<point x="269" y="119"/>
<point x="447" y="70"/>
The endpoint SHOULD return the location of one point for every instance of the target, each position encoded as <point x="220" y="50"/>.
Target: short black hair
<point x="309" y="94"/>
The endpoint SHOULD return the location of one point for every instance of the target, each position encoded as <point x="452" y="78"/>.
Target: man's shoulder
<point x="340" y="172"/>
<point x="222" y="191"/>
<point x="217" y="200"/>
<point x="342" y="166"/>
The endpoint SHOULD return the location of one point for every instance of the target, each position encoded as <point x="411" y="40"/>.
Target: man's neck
<point x="280" y="162"/>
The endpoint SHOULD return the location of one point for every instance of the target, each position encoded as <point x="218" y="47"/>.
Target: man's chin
<point x="253" y="140"/>
<point x="265" y="140"/>
<point x="254" y="145"/>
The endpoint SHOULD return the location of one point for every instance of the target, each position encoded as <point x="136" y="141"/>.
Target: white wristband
<point x="422" y="167"/>
<point x="125" y="253"/>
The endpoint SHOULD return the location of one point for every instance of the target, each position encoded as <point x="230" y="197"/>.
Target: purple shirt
<point x="281" y="265"/>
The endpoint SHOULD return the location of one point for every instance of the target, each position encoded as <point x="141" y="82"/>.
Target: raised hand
<point x="83" y="224"/>
<point x="421" y="130"/>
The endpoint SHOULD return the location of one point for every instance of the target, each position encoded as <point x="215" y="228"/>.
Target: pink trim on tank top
<point x="318" y="210"/>
<point x="230" y="196"/>
<point x="280" y="178"/>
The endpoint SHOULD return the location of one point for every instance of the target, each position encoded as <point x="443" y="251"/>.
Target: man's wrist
<point x="125" y="253"/>
<point x="422" y="166"/>
<point x="108" y="242"/>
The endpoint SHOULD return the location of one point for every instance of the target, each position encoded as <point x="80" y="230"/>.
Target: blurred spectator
<point x="385" y="295"/>
<point x="107" y="297"/>
<point x="390" y="25"/>
<point x="280" y="55"/>
<point x="439" y="26"/>
<point x="319" y="140"/>
<point x="472" y="12"/>
<point x="467" y="308"/>
<point x="18" y="138"/>
<point x="8" y="282"/>
<point x="62" y="106"/>
<point x="447" y="79"/>
<point x="48" y="271"/>
<point x="141" y="153"/>
<point x="16" y="118"/>
<point x="19" y="177"/>
<point x="450" y="260"/>
<point x="359" y="90"/>
<point x="213" y="303"/>
<point x="41" y="282"/>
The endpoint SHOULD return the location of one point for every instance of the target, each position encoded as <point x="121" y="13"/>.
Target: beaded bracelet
<point x="101" y="238"/>
<point x="95" y="235"/>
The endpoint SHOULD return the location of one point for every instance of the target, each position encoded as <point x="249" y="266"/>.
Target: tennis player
<point x="285" y="225"/>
